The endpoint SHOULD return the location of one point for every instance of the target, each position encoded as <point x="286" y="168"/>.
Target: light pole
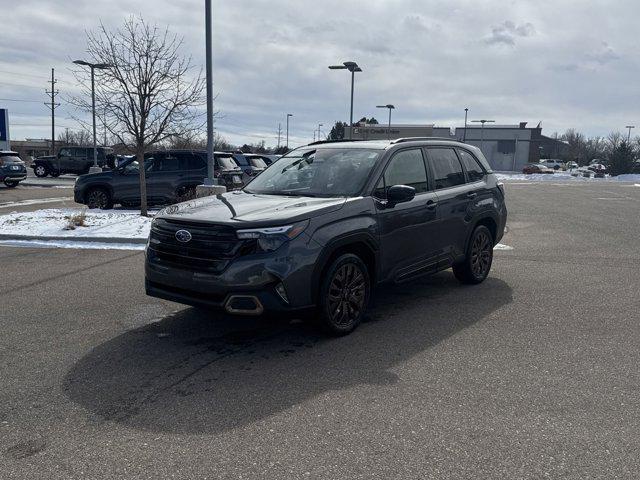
<point x="482" y="130"/>
<point x="464" y="135"/>
<point x="288" y="115"/>
<point x="629" y="127"/>
<point x="211" y="180"/>
<point x="353" y="68"/>
<point x="93" y="66"/>
<point x="390" y="107"/>
<point x="319" y="125"/>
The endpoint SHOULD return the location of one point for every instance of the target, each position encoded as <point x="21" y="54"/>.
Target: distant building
<point x="31" y="147"/>
<point x="507" y="147"/>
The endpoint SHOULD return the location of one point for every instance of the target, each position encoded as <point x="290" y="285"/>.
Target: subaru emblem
<point x="183" y="236"/>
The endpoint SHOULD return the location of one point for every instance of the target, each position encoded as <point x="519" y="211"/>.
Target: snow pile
<point x="71" y="244"/>
<point x="564" y="177"/>
<point x="98" y="224"/>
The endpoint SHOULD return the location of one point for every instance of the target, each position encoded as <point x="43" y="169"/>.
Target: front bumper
<point x="255" y="275"/>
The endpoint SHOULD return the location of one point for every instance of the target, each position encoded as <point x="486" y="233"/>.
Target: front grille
<point x="211" y="248"/>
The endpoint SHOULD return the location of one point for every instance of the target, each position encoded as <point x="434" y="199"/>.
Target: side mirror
<point x="400" y="194"/>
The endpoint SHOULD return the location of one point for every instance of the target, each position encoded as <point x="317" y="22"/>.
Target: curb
<point x="137" y="241"/>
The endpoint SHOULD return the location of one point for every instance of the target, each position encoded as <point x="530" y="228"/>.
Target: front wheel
<point x="10" y="184"/>
<point x="477" y="264"/>
<point x="344" y="295"/>
<point x="40" y="171"/>
<point x="98" y="198"/>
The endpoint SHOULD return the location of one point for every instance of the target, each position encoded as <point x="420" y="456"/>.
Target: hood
<point x="248" y="210"/>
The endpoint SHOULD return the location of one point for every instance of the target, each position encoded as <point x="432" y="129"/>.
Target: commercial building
<point x="507" y="147"/>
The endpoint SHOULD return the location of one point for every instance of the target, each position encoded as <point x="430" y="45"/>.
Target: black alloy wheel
<point x="344" y="294"/>
<point x="98" y="198"/>
<point x="477" y="264"/>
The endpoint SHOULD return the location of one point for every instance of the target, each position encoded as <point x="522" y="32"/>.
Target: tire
<point x="344" y="295"/>
<point x="41" y="171"/>
<point x="98" y="198"/>
<point x="10" y="184"/>
<point x="477" y="263"/>
<point x="54" y="174"/>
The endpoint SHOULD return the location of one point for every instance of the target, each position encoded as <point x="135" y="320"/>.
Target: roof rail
<point x="320" y="142"/>
<point x="416" y="139"/>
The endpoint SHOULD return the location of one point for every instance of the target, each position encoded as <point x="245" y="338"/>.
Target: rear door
<point x="195" y="165"/>
<point x="163" y="176"/>
<point x="453" y="199"/>
<point x="407" y="229"/>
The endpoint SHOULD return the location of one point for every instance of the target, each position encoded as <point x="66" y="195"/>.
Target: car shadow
<point x="198" y="372"/>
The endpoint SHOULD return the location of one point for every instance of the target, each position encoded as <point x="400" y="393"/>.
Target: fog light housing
<point x="282" y="292"/>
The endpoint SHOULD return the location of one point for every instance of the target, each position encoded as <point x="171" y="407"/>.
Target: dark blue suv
<point x="318" y="229"/>
<point x="12" y="169"/>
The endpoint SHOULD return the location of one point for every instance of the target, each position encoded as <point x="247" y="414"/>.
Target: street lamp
<point x="390" y="107"/>
<point x="629" y="134"/>
<point x="319" y="125"/>
<point x="288" y="115"/>
<point x="464" y="135"/>
<point x="482" y="130"/>
<point x="93" y="66"/>
<point x="353" y="68"/>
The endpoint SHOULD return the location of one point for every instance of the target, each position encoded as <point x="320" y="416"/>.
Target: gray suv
<point x="318" y="229"/>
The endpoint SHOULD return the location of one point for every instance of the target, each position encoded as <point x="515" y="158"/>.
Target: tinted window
<point x="195" y="162"/>
<point x="446" y="167"/>
<point x="65" y="152"/>
<point x="241" y="160"/>
<point x="407" y="168"/>
<point x="471" y="165"/>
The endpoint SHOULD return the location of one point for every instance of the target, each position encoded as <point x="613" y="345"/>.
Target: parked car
<point x="636" y="167"/>
<point x="553" y="163"/>
<point x="598" y="169"/>
<point x="12" y="169"/>
<point x="318" y="232"/>
<point x="572" y="166"/>
<point x="76" y="160"/>
<point x="251" y="167"/>
<point x="171" y="175"/>
<point x="530" y="168"/>
<point x="582" y="172"/>
<point x="227" y="171"/>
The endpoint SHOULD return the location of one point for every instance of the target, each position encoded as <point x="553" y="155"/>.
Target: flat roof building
<point x="507" y="147"/>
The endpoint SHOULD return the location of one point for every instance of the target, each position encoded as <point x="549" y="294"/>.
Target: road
<point x="532" y="374"/>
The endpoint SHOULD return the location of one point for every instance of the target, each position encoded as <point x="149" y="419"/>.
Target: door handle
<point x="472" y="195"/>
<point x="431" y="205"/>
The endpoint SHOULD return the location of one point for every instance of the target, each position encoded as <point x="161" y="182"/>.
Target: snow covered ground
<point x="98" y="224"/>
<point x="563" y="177"/>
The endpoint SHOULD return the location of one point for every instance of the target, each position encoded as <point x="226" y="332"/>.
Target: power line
<point x="18" y="100"/>
<point x="39" y="77"/>
<point x="19" y="85"/>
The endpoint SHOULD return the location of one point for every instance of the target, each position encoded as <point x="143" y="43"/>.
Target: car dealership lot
<point x="532" y="373"/>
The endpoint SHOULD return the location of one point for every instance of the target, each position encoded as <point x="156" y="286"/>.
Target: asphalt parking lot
<point x="532" y="374"/>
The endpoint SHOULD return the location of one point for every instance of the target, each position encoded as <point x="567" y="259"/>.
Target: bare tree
<point x="75" y="137"/>
<point x="150" y="92"/>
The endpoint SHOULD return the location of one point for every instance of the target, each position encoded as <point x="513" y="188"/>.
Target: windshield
<point x="227" y="162"/>
<point x="323" y="172"/>
<point x="258" y="162"/>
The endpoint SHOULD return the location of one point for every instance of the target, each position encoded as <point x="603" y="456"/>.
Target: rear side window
<point x="192" y="161"/>
<point x="405" y="168"/>
<point x="475" y="172"/>
<point x="447" y="170"/>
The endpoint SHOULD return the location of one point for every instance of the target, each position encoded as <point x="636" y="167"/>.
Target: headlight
<point x="272" y="238"/>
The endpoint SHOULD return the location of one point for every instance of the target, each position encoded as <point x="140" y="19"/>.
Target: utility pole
<point x="52" y="106"/>
<point x="319" y="125"/>
<point x="629" y="127"/>
<point x="279" y="133"/>
<point x="288" y="116"/>
<point x="464" y="135"/>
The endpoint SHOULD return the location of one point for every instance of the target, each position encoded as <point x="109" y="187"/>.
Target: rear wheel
<point x="10" y="184"/>
<point x="41" y="171"/>
<point x="98" y="198"/>
<point x="344" y="295"/>
<point x="477" y="264"/>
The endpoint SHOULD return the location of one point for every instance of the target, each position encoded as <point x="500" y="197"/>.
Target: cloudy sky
<point x="565" y="63"/>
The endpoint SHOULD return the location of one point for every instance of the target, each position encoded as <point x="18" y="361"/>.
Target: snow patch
<point x="501" y="246"/>
<point x="71" y="244"/>
<point x="99" y="223"/>
<point x="563" y="177"/>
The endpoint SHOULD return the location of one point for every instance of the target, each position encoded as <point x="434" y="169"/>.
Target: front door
<point x="407" y="229"/>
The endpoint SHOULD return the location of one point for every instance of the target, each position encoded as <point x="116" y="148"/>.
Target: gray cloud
<point x="428" y="58"/>
<point x="507" y="32"/>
